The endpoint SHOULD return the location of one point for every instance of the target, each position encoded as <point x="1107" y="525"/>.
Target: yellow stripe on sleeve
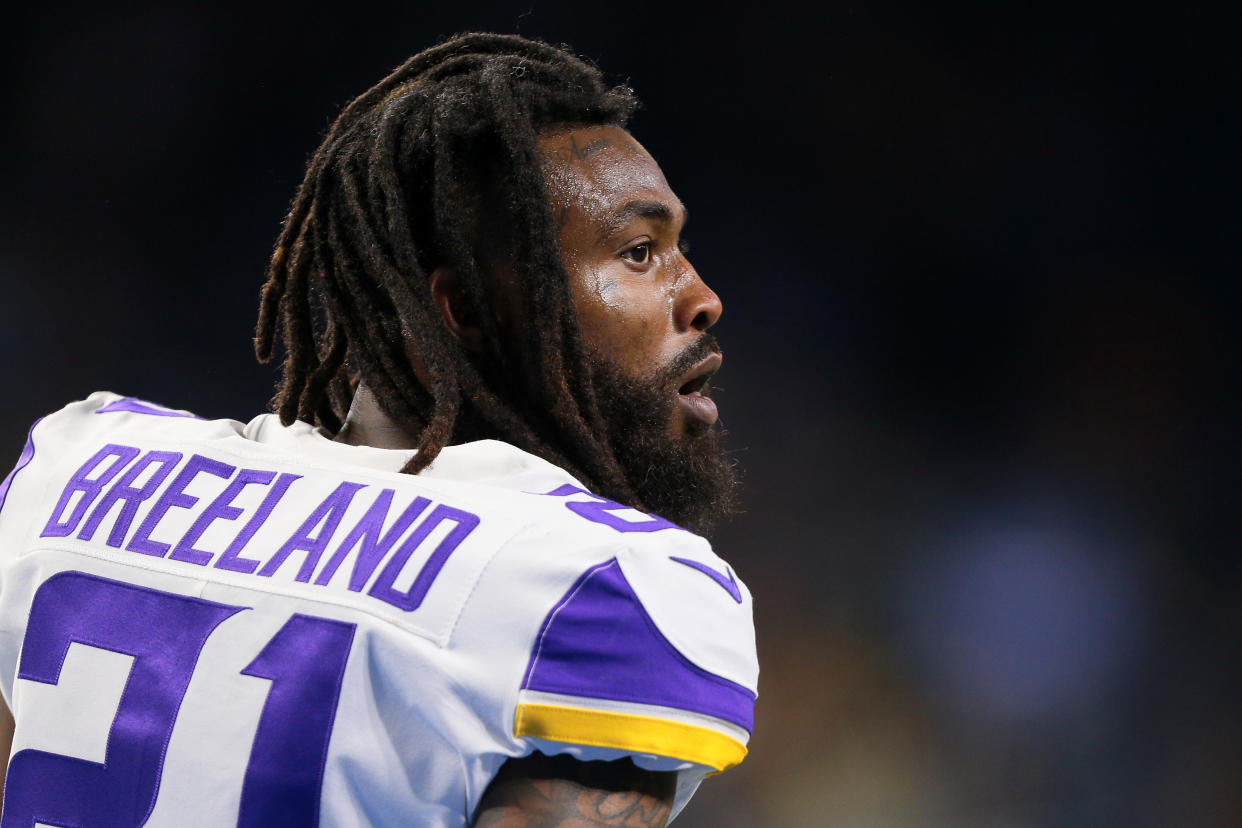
<point x="627" y="731"/>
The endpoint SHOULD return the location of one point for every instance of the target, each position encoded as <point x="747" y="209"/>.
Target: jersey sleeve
<point x="59" y="438"/>
<point x="649" y="655"/>
<point x="23" y="460"/>
<point x="56" y="434"/>
<point x="21" y="489"/>
<point x="21" y="502"/>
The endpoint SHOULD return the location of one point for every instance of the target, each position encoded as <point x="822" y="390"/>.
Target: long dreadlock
<point x="420" y="172"/>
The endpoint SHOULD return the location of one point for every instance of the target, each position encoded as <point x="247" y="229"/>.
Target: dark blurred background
<point x="980" y="273"/>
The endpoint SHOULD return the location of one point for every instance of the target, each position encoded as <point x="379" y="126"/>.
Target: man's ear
<point x="449" y="299"/>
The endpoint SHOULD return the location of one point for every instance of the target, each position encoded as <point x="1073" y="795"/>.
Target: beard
<point x="686" y="478"/>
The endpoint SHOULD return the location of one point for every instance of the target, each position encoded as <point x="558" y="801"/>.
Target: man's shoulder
<point x="645" y="645"/>
<point x="100" y="419"/>
<point x="105" y="413"/>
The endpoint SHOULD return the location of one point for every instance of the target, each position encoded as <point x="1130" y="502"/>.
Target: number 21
<point x="165" y="632"/>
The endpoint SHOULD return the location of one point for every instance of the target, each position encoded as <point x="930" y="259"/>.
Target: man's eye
<point x="639" y="253"/>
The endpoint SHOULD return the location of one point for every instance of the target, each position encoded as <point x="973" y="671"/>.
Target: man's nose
<point x="698" y="305"/>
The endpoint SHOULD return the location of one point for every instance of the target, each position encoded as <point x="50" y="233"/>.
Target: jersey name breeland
<point x="101" y="500"/>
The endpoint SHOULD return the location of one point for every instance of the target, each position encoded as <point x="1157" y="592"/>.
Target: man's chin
<point x="685" y="477"/>
<point x="690" y="481"/>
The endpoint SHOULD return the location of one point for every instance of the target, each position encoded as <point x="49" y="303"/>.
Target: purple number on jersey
<point x="305" y="662"/>
<point x="165" y="633"/>
<point x="600" y="510"/>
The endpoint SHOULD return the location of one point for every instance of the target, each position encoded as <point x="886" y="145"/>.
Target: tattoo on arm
<point x="562" y="792"/>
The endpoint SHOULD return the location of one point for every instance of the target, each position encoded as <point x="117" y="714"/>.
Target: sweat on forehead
<point x="595" y="168"/>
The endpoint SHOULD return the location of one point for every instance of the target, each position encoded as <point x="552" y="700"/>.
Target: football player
<point x="456" y="578"/>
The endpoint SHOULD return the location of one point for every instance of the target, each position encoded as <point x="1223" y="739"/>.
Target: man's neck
<point x="367" y="424"/>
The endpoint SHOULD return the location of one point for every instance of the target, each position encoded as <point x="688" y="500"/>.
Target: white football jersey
<point x="213" y="623"/>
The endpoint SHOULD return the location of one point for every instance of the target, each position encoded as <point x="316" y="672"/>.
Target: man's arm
<point x="6" y="745"/>
<point x="539" y="791"/>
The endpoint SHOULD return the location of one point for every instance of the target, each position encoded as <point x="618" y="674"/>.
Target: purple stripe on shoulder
<point x="137" y="406"/>
<point x="599" y="642"/>
<point x="547" y="622"/>
<point x="22" y="462"/>
<point x="729" y="583"/>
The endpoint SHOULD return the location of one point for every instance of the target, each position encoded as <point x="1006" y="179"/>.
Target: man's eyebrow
<point x="657" y="211"/>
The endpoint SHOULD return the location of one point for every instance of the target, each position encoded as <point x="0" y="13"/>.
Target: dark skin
<point x="539" y="791"/>
<point x="639" y="303"/>
<point x="6" y="742"/>
<point x="639" y="300"/>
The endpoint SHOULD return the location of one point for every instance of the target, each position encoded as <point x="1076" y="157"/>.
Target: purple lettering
<point x="221" y="508"/>
<point x="372" y="547"/>
<point x="601" y="509"/>
<point x="88" y="486"/>
<point x="411" y="599"/>
<point x="124" y="490"/>
<point x="329" y="513"/>
<point x="175" y="495"/>
<point x="231" y="558"/>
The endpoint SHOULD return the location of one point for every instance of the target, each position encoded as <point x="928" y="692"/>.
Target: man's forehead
<point x="602" y="170"/>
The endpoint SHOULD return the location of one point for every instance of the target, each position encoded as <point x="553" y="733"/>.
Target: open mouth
<point x="694" y="386"/>
<point x="693" y="393"/>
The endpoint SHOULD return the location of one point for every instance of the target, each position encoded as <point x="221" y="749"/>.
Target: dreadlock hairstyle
<point x="434" y="164"/>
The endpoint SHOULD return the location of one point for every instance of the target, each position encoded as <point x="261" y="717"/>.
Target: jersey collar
<point x="480" y="461"/>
